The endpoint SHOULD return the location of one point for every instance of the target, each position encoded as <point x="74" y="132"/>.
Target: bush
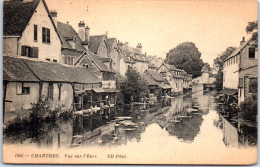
<point x="248" y="109"/>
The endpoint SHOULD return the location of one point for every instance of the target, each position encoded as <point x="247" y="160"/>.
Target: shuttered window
<point x="21" y="89"/>
<point x="29" y="51"/>
<point x="46" y="35"/>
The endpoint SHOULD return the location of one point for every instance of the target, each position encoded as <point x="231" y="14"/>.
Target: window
<point x="251" y="53"/>
<point x="46" y="35"/>
<point x="50" y="91"/>
<point x="70" y="60"/>
<point x="241" y="81"/>
<point x="54" y="60"/>
<point x="35" y="28"/>
<point x="28" y="51"/>
<point x="21" y="89"/>
<point x="48" y="59"/>
<point x="253" y="85"/>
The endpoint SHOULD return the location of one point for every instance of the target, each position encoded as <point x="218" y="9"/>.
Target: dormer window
<point x="251" y="53"/>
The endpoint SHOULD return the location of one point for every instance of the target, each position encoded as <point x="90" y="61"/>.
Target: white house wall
<point x="230" y="75"/>
<point x="10" y="46"/>
<point x="46" y="51"/>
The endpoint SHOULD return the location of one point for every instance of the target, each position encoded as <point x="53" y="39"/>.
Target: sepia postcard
<point x="130" y="82"/>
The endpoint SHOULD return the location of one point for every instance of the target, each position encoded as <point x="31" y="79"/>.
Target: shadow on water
<point x="178" y="117"/>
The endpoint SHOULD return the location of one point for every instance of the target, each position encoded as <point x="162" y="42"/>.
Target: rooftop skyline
<point x="160" y="25"/>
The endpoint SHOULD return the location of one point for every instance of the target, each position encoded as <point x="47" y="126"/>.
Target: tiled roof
<point x="15" y="69"/>
<point x="50" y="71"/>
<point x="16" y="16"/>
<point x="99" y="63"/>
<point x="150" y="80"/>
<point x="237" y="50"/>
<point x="67" y="32"/>
<point x="110" y="42"/>
<point x="95" y="42"/>
<point x="133" y="50"/>
<point x="155" y="75"/>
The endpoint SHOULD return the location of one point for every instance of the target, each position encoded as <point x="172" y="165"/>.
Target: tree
<point x="186" y="56"/>
<point x="252" y="28"/>
<point x="135" y="87"/>
<point x="218" y="65"/>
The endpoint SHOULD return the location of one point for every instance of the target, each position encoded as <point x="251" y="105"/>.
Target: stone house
<point x="27" y="81"/>
<point x="157" y="84"/>
<point x="30" y="31"/>
<point x="113" y="53"/>
<point x="248" y="71"/>
<point x="174" y="77"/>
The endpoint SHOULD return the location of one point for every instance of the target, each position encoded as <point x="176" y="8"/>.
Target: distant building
<point x="30" y="31"/>
<point x="135" y="56"/>
<point x="154" y="62"/>
<point x="174" y="77"/>
<point x="206" y="79"/>
<point x="157" y="84"/>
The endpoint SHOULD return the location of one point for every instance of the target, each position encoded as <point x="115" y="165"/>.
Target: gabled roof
<point x="237" y="50"/>
<point x="47" y="71"/>
<point x="15" y="69"/>
<point x="133" y="50"/>
<point x="110" y="42"/>
<point x="150" y="80"/>
<point x="95" y="42"/>
<point x="67" y="32"/>
<point x="17" y="14"/>
<point x="155" y="75"/>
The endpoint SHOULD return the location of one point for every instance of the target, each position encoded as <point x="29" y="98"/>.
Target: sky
<point x="160" y="25"/>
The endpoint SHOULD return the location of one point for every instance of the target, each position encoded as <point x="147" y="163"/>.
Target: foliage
<point x="252" y="28"/>
<point x="41" y="120"/>
<point x="186" y="56"/>
<point x="218" y="65"/>
<point x="219" y="60"/>
<point x="135" y="87"/>
<point x="248" y="109"/>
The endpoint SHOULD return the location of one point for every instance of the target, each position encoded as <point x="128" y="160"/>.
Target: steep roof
<point x="110" y="42"/>
<point x="66" y="32"/>
<point x="95" y="42"/>
<point x="15" y="69"/>
<point x="17" y="15"/>
<point x="99" y="63"/>
<point x="49" y="71"/>
<point x="155" y="75"/>
<point x="150" y="80"/>
<point x="237" y="50"/>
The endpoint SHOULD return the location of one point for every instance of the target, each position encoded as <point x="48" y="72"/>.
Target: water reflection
<point x="129" y="124"/>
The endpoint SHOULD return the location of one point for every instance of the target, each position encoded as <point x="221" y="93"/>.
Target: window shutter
<point x="19" y="86"/>
<point x="65" y="59"/>
<point x="31" y="52"/>
<point x="48" y="36"/>
<point x="35" y="52"/>
<point x="23" y="51"/>
<point x="43" y="35"/>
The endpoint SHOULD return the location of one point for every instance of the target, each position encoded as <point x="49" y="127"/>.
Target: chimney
<point x="107" y="34"/>
<point x="54" y="17"/>
<point x="139" y="47"/>
<point x="243" y="41"/>
<point x="87" y="30"/>
<point x="81" y="30"/>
